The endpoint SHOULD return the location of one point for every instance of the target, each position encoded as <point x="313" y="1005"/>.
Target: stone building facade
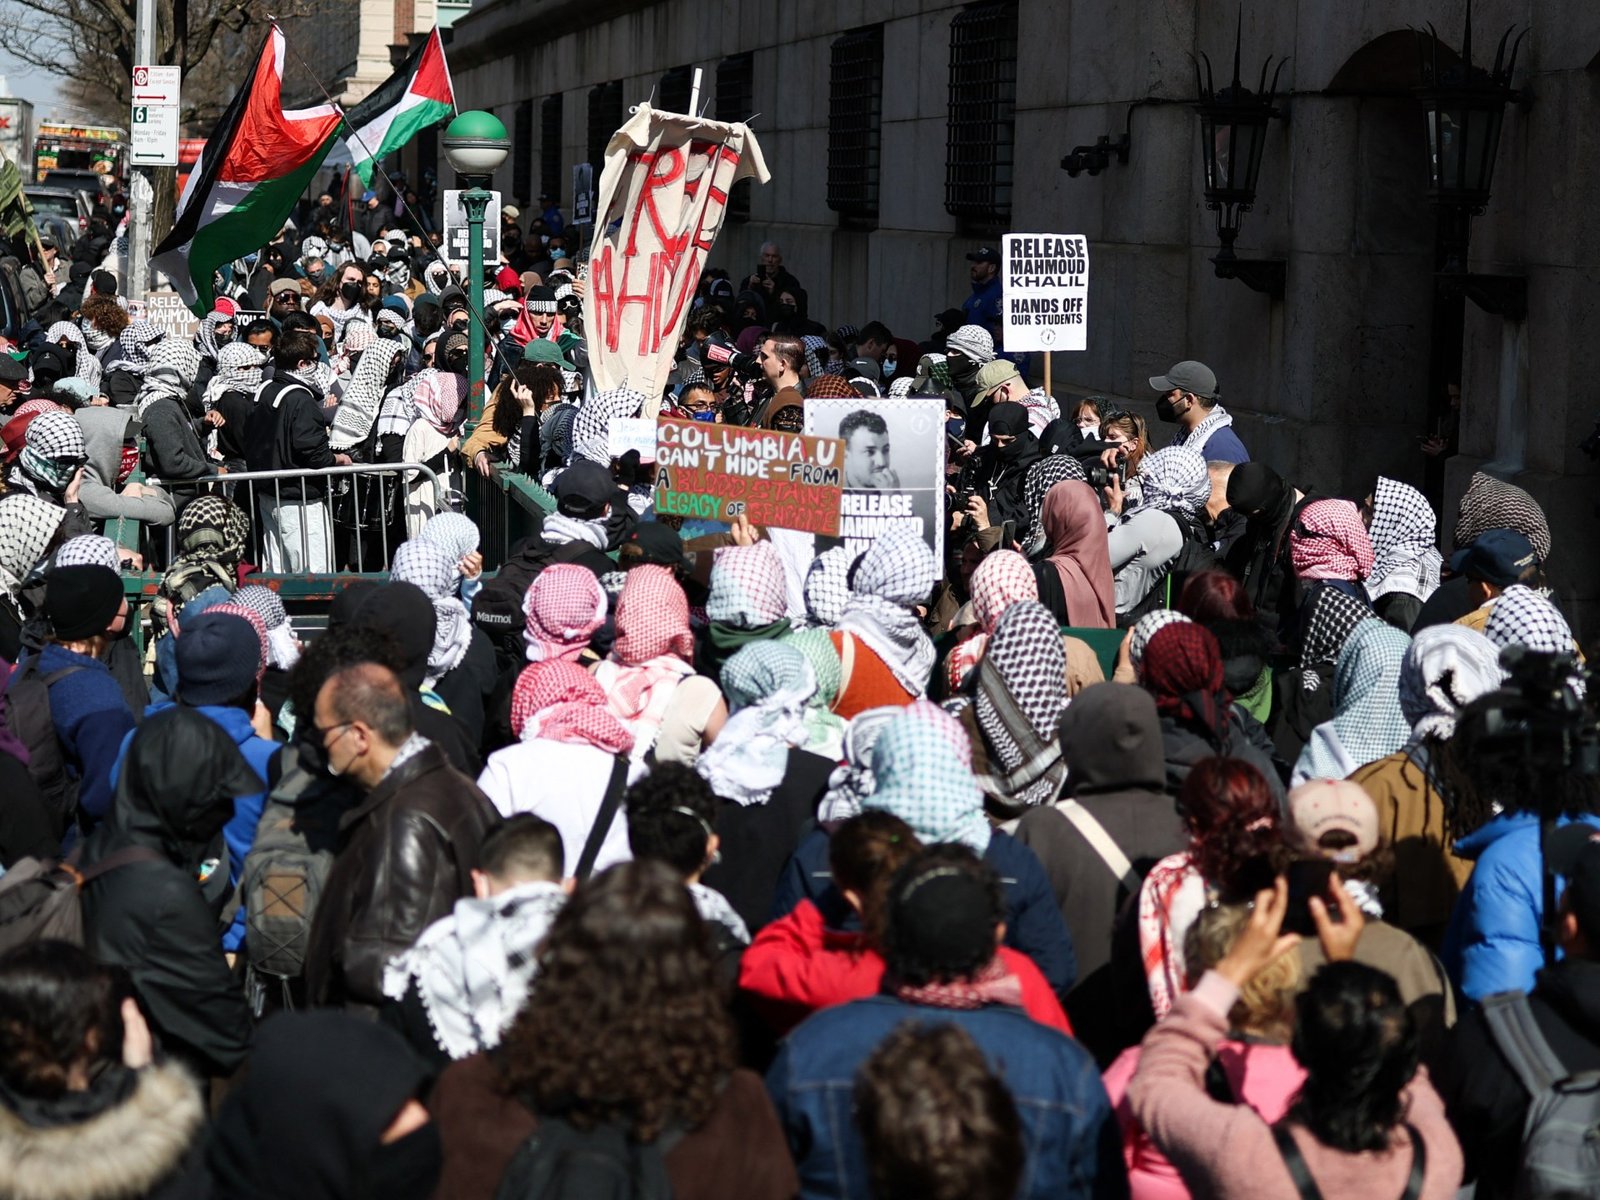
<point x="1334" y="382"/>
<point x="346" y="44"/>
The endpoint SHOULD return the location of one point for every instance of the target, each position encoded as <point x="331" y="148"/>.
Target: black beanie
<point x="81" y="602"/>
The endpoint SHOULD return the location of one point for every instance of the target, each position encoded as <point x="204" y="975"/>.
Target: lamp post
<point x="1465" y="106"/>
<point x="475" y="144"/>
<point x="1233" y="130"/>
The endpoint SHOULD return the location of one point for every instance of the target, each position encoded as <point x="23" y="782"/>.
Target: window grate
<point x="522" y="150"/>
<point x="979" y="137"/>
<point x="605" y="118"/>
<point x="855" y="118"/>
<point x="672" y="93"/>
<point x="550" y="110"/>
<point x="736" y="102"/>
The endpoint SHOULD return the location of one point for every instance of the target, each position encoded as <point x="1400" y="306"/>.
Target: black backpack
<point x="561" y="1162"/>
<point x="1194" y="556"/>
<point x="25" y="699"/>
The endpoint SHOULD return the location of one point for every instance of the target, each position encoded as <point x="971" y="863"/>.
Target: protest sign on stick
<point x="712" y="472"/>
<point x="893" y="465"/>
<point x="1044" y="292"/>
<point x="663" y="196"/>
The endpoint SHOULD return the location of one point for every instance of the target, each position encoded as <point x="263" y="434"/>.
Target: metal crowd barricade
<point x="390" y="505"/>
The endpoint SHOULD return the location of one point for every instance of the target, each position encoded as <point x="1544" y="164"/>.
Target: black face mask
<point x="351" y="291"/>
<point x="222" y="339"/>
<point x="1166" y="410"/>
<point x="1012" y="451"/>
<point x="962" y="369"/>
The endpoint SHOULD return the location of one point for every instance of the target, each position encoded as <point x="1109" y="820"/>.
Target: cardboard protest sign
<point x="893" y="465"/>
<point x="1044" y="291"/>
<point x="663" y="196"/>
<point x="716" y="472"/>
<point x="168" y="310"/>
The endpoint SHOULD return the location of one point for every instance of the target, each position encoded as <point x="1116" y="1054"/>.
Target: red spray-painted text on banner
<point x="717" y="472"/>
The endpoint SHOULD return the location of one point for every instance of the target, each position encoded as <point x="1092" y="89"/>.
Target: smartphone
<point x="1308" y="878"/>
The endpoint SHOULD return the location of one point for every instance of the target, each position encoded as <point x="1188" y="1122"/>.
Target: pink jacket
<point x="1262" y="1075"/>
<point x="1227" y="1149"/>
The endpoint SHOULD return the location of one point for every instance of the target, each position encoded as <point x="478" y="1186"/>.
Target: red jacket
<point x="797" y="965"/>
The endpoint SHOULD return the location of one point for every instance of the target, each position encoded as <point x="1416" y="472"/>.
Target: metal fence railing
<point x="336" y="519"/>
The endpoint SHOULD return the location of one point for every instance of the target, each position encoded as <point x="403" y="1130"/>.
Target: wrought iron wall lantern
<point x="1233" y="131"/>
<point x="1465" y="106"/>
<point x="1096" y="158"/>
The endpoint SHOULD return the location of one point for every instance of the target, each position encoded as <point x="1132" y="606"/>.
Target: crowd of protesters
<point x="1159" y="841"/>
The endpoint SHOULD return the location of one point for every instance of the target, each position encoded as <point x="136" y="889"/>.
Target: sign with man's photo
<point x="893" y="466"/>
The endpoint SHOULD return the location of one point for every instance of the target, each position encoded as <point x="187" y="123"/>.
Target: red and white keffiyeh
<point x="563" y="607"/>
<point x="1329" y="541"/>
<point x="558" y="701"/>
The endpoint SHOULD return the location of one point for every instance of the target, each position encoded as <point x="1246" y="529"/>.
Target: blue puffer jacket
<point x="1033" y="918"/>
<point x="1074" y="1150"/>
<point x="1493" y="941"/>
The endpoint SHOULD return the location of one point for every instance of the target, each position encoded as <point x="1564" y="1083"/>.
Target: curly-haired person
<point x="626" y="1030"/>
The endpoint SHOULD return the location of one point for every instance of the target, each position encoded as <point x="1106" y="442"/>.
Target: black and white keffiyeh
<point x="1404" y="556"/>
<point x="1446" y="668"/>
<point x="437" y="574"/>
<point x="1333" y="617"/>
<point x="136" y="339"/>
<point x="894" y="576"/>
<point x="1021" y="694"/>
<point x="1217" y="418"/>
<point x="240" y="367"/>
<point x="1490" y="503"/>
<point x="1525" y="617"/>
<point x="473" y="969"/>
<point x="591" y="430"/>
<point x="1043" y="476"/>
<point x="85" y="364"/>
<point x="89" y="550"/>
<point x="363" y="395"/>
<point x="853" y="781"/>
<point x="827" y="586"/>
<point x="27" y="524"/>
<point x="1175" y="478"/>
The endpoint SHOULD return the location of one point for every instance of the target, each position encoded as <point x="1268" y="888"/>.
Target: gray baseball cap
<point x="1187" y="376"/>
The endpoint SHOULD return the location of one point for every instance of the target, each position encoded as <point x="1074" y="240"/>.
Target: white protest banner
<point x="1044" y="291"/>
<point x="457" y="243"/>
<point x="893" y="466"/>
<point x="631" y="433"/>
<point x="663" y="196"/>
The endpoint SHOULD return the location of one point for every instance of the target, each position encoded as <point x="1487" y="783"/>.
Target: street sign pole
<point x="141" y="196"/>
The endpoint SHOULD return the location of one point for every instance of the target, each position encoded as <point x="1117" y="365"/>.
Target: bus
<point x="59" y="146"/>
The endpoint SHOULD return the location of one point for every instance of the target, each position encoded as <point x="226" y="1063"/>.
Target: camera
<point x="1543" y="715"/>
<point x="744" y="365"/>
<point x="1100" y="476"/>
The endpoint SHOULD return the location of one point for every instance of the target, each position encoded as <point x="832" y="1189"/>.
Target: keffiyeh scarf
<point x="85" y="364"/>
<point x="768" y="686"/>
<point x="239" y="369"/>
<point x="1525" y="617"/>
<point x="1021" y="694"/>
<point x="591" y="431"/>
<point x="747" y="587"/>
<point x="474" y="968"/>
<point x="824" y="727"/>
<point x="895" y="574"/>
<point x="1446" y="667"/>
<point x="1490" y="503"/>
<point x="1036" y="484"/>
<point x="1174" y="478"/>
<point x="827" y="586"/>
<point x="437" y="574"/>
<point x="89" y="550"/>
<point x="562" y="608"/>
<point x="1145" y="628"/>
<point x="1001" y="580"/>
<point x="283" y="648"/>
<point x="1367" y="723"/>
<point x="135" y="340"/>
<point x="1330" y="620"/>
<point x="919" y="776"/>
<point x="653" y="652"/>
<point x="1329" y="541"/>
<point x="1217" y="418"/>
<point x="27" y="524"/>
<point x="1405" y="559"/>
<point x="558" y="701"/>
<point x="363" y="395"/>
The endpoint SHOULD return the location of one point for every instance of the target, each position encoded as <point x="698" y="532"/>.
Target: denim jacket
<point x="1074" y="1150"/>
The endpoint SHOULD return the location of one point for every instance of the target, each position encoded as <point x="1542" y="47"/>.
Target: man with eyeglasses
<point x="407" y="849"/>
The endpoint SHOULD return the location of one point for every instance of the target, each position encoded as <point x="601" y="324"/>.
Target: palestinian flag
<point x="253" y="169"/>
<point x="416" y="96"/>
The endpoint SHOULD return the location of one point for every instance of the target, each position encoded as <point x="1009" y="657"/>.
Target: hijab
<point x="1182" y="669"/>
<point x="558" y="701"/>
<point x="1404" y="556"/>
<point x="919" y="776"/>
<point x="1075" y="532"/>
<point x="1368" y="723"/>
<point x="1490" y="503"/>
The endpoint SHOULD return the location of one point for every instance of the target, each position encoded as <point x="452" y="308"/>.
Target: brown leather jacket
<point x="406" y="856"/>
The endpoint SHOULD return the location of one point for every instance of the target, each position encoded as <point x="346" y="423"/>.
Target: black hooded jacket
<point x="175" y="792"/>
<point x="1111" y="739"/>
<point x="1259" y="557"/>
<point x="1003" y="470"/>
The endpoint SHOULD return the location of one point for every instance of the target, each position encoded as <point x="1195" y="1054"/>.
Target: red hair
<point x="1233" y="824"/>
<point x="1215" y="595"/>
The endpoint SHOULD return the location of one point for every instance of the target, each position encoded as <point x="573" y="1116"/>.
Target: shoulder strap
<point x="1101" y="842"/>
<point x="1516" y="1032"/>
<point x="56" y="677"/>
<point x="604" y="818"/>
<point x="1299" y="1172"/>
<point x="124" y="857"/>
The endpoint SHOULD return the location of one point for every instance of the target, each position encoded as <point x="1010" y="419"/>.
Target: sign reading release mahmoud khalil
<point x="893" y="466"/>
<point x="1044" y="291"/>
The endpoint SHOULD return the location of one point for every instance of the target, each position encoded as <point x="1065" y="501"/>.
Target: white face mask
<point x="1089" y="429"/>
